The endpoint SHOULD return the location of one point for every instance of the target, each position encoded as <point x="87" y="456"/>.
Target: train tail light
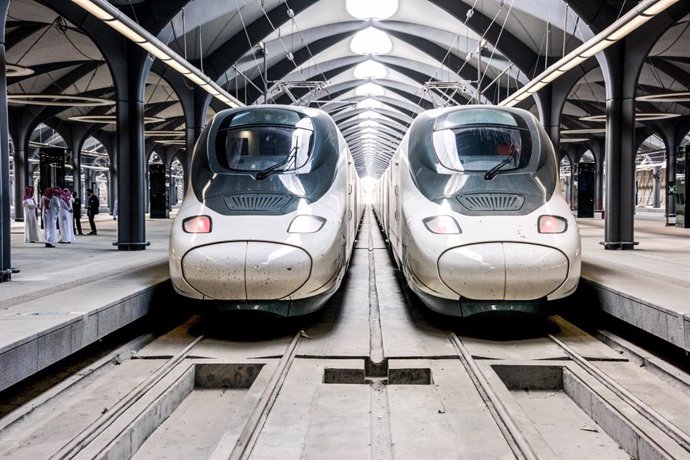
<point x="552" y="224"/>
<point x="443" y="225"/>
<point x="197" y="224"/>
<point x="306" y="224"/>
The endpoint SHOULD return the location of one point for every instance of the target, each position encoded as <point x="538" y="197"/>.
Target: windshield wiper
<point x="493" y="172"/>
<point x="264" y="173"/>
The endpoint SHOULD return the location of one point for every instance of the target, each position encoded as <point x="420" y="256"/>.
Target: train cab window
<point x="273" y="143"/>
<point x="476" y="141"/>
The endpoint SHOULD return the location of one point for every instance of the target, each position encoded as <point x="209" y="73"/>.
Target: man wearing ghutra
<point x="31" y="230"/>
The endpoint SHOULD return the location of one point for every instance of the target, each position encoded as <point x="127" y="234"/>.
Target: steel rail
<point x="647" y="412"/>
<point x="252" y="429"/>
<point x="517" y="441"/>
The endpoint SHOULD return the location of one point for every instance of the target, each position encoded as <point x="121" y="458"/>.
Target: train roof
<point x="445" y="111"/>
<point x="306" y="111"/>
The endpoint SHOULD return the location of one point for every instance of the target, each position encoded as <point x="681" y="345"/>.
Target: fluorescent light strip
<point x="134" y="32"/>
<point x="619" y="29"/>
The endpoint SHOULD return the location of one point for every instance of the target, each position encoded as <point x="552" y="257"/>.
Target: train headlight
<point x="443" y="225"/>
<point x="197" y="224"/>
<point x="552" y="224"/>
<point x="306" y="224"/>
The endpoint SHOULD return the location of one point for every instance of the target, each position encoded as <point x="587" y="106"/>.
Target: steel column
<point x="5" y="224"/>
<point x="130" y="157"/>
<point x="619" y="228"/>
<point x="195" y="109"/>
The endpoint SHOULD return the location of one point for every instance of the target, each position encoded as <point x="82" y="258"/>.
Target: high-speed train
<point x="271" y="212"/>
<point x="472" y="208"/>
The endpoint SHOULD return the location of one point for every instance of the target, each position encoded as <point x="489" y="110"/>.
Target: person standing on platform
<point x="31" y="230"/>
<point x="50" y="209"/>
<point x="65" y="216"/>
<point x="91" y="210"/>
<point x="76" y="212"/>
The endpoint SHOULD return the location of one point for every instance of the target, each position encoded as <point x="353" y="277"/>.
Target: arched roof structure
<point x="114" y="57"/>
<point x="440" y="52"/>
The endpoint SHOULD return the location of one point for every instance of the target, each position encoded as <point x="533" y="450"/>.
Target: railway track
<point x="373" y="376"/>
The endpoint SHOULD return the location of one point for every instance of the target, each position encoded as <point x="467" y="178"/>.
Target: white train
<point x="271" y="212"/>
<point x="472" y="208"/>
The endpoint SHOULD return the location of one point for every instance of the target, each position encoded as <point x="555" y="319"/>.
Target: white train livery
<point x="271" y="212"/>
<point x="472" y="208"/>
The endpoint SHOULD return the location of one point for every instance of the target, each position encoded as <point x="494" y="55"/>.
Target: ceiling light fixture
<point x="164" y="133"/>
<point x="108" y="119"/>
<point x="566" y="140"/>
<point x="114" y="18"/>
<point x="14" y="70"/>
<point x="369" y="104"/>
<point x="679" y="96"/>
<point x="170" y="141"/>
<point x="369" y="114"/>
<point x="616" y="31"/>
<point x="583" y="131"/>
<point x="370" y="69"/>
<point x="57" y="100"/>
<point x="370" y="89"/>
<point x="370" y="41"/>
<point x="368" y="9"/>
<point x="643" y="116"/>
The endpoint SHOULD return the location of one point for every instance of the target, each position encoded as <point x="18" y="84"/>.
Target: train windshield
<point x="255" y="146"/>
<point x="469" y="146"/>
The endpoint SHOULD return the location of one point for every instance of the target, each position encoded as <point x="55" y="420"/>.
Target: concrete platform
<point x="648" y="287"/>
<point x="68" y="297"/>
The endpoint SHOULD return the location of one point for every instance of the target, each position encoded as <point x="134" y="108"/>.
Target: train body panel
<point x="467" y="243"/>
<point x="276" y="247"/>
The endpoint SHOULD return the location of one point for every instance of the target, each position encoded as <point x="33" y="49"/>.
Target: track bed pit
<point x="184" y="416"/>
<point x="197" y="424"/>
<point x="381" y="372"/>
<point x="573" y="416"/>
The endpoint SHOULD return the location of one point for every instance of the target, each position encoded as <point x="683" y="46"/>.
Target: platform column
<point x="129" y="77"/>
<point x="621" y="70"/>
<point x="5" y="234"/>
<point x="620" y="173"/>
<point x="670" y="175"/>
<point x="195" y="117"/>
<point x="20" y="177"/>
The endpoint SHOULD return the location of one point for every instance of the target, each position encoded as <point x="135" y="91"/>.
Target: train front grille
<point x="492" y="201"/>
<point x="257" y="202"/>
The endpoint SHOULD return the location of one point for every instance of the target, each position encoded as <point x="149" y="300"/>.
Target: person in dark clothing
<point x="76" y="212"/>
<point x="91" y="210"/>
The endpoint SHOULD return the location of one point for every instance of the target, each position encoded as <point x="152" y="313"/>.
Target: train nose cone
<point x="244" y="270"/>
<point x="503" y="271"/>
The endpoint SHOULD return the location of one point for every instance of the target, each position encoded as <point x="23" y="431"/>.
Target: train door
<point x="351" y="207"/>
<point x="395" y="216"/>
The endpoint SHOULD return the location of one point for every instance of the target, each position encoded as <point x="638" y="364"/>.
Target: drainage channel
<point x="381" y="439"/>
